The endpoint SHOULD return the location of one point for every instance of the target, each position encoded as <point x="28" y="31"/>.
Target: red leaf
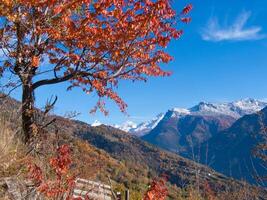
<point x="186" y="19"/>
<point x="35" y="61"/>
<point x="187" y="9"/>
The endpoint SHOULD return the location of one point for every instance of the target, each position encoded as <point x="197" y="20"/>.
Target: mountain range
<point x="220" y="135"/>
<point x="235" y="109"/>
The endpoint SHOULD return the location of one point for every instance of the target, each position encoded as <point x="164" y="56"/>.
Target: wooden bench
<point x="93" y="190"/>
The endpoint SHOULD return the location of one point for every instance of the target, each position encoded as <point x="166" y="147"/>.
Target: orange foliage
<point x="157" y="190"/>
<point x="35" y="61"/>
<point x="91" y="44"/>
<point x="64" y="182"/>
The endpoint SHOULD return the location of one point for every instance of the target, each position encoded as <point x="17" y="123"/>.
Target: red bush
<point x="157" y="190"/>
<point x="63" y="184"/>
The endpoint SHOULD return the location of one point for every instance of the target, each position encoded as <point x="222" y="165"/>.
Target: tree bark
<point x="27" y="110"/>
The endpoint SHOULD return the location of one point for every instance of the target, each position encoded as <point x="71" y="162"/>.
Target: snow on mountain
<point x="147" y="126"/>
<point x="177" y="112"/>
<point x="234" y="109"/>
<point x="142" y="128"/>
<point x="127" y="126"/>
<point x="248" y="106"/>
<point x="96" y="123"/>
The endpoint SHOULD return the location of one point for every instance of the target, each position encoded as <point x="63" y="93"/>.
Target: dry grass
<point x="11" y="155"/>
<point x="10" y="150"/>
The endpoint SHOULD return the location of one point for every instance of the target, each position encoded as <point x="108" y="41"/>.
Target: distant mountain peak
<point x="126" y="126"/>
<point x="141" y="128"/>
<point x="147" y="126"/>
<point x="203" y="106"/>
<point x="180" y="110"/>
<point x="250" y="103"/>
<point x="96" y="123"/>
<point x="235" y="109"/>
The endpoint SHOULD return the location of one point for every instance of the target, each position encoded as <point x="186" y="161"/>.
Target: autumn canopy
<point x="92" y="44"/>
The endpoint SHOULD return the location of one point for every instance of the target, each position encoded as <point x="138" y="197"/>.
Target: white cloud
<point x="237" y="31"/>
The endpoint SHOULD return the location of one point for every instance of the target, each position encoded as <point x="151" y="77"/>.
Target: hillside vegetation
<point x="102" y="152"/>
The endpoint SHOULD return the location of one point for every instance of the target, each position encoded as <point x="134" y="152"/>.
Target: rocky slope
<point x="180" y="135"/>
<point x="231" y="150"/>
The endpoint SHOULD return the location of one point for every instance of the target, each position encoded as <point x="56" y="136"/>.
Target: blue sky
<point x="221" y="57"/>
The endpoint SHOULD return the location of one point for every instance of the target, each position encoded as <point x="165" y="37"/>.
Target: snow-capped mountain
<point x="234" y="109"/>
<point x="144" y="127"/>
<point x="126" y="126"/>
<point x="180" y="129"/>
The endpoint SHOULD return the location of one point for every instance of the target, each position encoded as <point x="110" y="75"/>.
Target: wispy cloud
<point x="237" y="31"/>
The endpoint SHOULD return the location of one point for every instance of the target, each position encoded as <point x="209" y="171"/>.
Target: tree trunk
<point x="27" y="111"/>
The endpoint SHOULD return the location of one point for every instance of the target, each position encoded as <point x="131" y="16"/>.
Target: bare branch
<point x="10" y="91"/>
<point x="61" y="79"/>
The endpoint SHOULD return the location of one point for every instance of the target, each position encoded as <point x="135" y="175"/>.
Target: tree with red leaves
<point x="91" y="44"/>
